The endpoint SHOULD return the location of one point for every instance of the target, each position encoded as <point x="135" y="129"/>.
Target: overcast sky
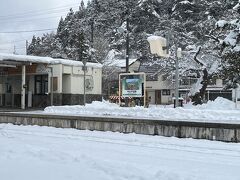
<point x="27" y="15"/>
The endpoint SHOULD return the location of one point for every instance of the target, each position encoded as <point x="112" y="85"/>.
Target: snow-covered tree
<point x="226" y="35"/>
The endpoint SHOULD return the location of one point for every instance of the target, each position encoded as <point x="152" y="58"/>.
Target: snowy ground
<point x="32" y="152"/>
<point x="220" y="110"/>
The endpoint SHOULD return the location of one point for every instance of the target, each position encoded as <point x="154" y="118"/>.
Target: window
<point x="165" y="92"/>
<point x="41" y="84"/>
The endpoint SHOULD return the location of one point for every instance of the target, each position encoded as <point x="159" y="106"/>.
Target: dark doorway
<point x="158" y="96"/>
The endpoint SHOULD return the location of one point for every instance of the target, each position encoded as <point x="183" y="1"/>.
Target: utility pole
<point x="176" y="77"/>
<point x="127" y="45"/>
<point x="14" y="49"/>
<point x="127" y="51"/>
<point x="92" y="31"/>
<point x="82" y="57"/>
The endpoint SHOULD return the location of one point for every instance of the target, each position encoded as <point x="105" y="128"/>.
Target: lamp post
<point x="159" y="45"/>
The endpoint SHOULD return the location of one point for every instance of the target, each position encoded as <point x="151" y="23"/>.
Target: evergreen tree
<point x="227" y="37"/>
<point x="82" y="47"/>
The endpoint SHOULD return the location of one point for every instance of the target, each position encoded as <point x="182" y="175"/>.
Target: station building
<point x="32" y="81"/>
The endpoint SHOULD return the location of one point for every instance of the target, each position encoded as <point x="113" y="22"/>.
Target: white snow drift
<point x="220" y="110"/>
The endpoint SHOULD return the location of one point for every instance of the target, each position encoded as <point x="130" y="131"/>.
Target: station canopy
<point x="11" y="60"/>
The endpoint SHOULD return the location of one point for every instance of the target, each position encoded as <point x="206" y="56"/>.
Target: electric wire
<point x="10" y="42"/>
<point x="27" y="31"/>
<point x="34" y="12"/>
<point x="33" y="15"/>
<point x="32" y="19"/>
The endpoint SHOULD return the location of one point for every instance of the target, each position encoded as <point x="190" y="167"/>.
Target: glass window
<point x="41" y="84"/>
<point x="166" y="92"/>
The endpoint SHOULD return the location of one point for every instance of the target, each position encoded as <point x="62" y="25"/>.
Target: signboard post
<point x="132" y="85"/>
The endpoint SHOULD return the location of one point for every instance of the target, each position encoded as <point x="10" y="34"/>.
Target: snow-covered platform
<point x="217" y="120"/>
<point x="183" y="129"/>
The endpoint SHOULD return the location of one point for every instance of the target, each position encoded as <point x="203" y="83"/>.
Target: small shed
<point x="32" y="81"/>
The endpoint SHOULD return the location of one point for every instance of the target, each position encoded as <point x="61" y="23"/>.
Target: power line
<point x="11" y="42"/>
<point x="4" y="49"/>
<point x="32" y="15"/>
<point x="38" y="11"/>
<point x="36" y="30"/>
<point x="35" y="19"/>
<point x="20" y="47"/>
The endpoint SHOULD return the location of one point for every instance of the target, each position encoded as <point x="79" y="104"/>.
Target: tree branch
<point x="195" y="56"/>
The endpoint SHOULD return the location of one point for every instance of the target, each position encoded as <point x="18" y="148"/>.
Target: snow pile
<point x="219" y="104"/>
<point x="220" y="110"/>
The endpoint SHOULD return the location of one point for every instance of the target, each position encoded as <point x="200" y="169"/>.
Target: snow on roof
<point x="236" y="6"/>
<point x="237" y="48"/>
<point x="221" y="23"/>
<point x="112" y="60"/>
<point x="154" y="38"/>
<point x="231" y="38"/>
<point x="45" y="60"/>
<point x="121" y="63"/>
<point x="185" y="2"/>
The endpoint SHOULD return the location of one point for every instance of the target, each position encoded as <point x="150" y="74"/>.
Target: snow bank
<point x="220" y="110"/>
<point x="218" y="104"/>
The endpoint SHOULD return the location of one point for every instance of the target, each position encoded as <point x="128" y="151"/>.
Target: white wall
<point x="152" y="86"/>
<point x="66" y="81"/>
<point x="97" y="77"/>
<point x="159" y="84"/>
<point x="73" y="78"/>
<point x="31" y="84"/>
<point x="166" y="99"/>
<point x="219" y="82"/>
<point x="234" y="91"/>
<point x="152" y="94"/>
<point x="57" y="72"/>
